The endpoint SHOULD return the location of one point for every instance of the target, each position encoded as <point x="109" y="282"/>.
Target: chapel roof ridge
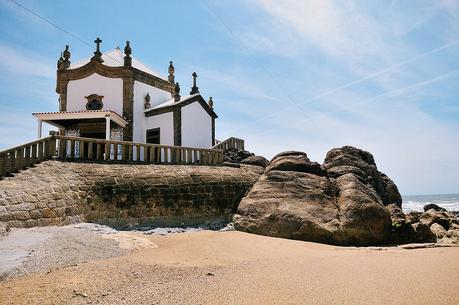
<point x="115" y="58"/>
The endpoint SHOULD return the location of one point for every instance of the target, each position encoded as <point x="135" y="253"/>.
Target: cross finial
<point x="98" y="55"/>
<point x="195" y="88"/>
<point x="98" y="41"/>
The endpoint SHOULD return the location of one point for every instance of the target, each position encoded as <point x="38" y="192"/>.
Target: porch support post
<point x="107" y="128"/>
<point x="40" y="126"/>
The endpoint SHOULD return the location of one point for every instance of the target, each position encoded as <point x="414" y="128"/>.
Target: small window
<point x="153" y="136"/>
<point x="94" y="102"/>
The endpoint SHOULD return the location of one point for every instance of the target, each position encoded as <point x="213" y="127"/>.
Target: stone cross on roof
<point x="98" y="55"/>
<point x="98" y="41"/>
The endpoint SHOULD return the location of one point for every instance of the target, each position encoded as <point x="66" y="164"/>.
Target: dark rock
<point x="256" y="160"/>
<point x="413" y="217"/>
<point x="235" y="155"/>
<point x="423" y="234"/>
<point x="433" y="206"/>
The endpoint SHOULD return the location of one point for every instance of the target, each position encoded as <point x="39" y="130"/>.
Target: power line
<point x="329" y="92"/>
<point x="386" y="93"/>
<point x="59" y="27"/>
<point x="268" y="72"/>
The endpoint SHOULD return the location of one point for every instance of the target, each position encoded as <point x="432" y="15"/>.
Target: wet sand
<point x="210" y="267"/>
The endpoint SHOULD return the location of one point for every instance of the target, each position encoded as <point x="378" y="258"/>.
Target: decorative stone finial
<point x="177" y="92"/>
<point x="127" y="52"/>
<point x="66" y="63"/>
<point x="60" y="63"/>
<point x="194" y="89"/>
<point x="147" y="101"/>
<point x="98" y="55"/>
<point x="211" y="103"/>
<point x="171" y="77"/>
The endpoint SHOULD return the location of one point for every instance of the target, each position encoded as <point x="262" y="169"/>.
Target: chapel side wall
<point x="165" y="122"/>
<point x="196" y="126"/>
<point x="110" y="88"/>
<point x="141" y="123"/>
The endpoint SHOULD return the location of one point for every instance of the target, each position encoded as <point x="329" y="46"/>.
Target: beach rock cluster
<point x="345" y="201"/>
<point x="443" y="224"/>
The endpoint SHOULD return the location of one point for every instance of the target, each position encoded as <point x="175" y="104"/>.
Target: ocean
<point x="416" y="202"/>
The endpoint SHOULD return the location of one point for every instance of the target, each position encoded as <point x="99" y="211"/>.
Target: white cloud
<point x="14" y="60"/>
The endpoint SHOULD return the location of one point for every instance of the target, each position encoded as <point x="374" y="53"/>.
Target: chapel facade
<point x="114" y="96"/>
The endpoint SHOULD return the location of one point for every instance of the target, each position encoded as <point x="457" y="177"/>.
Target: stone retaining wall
<point x="57" y="193"/>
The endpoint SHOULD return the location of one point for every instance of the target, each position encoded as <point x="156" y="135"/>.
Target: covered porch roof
<point x="63" y="119"/>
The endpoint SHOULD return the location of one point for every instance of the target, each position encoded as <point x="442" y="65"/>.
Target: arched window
<point x="94" y="102"/>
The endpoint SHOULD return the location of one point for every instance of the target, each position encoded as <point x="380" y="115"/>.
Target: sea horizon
<point x="416" y="203"/>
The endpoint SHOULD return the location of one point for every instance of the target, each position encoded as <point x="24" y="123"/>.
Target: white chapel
<point x="114" y="96"/>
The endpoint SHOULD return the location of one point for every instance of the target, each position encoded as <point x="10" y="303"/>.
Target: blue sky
<point x="303" y="75"/>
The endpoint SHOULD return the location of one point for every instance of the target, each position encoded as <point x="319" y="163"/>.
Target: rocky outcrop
<point x="341" y="202"/>
<point x="443" y="224"/>
<point x="345" y="201"/>
<point x="55" y="193"/>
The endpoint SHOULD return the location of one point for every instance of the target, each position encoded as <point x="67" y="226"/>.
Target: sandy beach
<point x="210" y="267"/>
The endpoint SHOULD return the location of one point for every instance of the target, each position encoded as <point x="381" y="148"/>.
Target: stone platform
<point x="57" y="193"/>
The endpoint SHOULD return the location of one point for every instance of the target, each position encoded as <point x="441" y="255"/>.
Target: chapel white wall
<point x="142" y="123"/>
<point x="165" y="122"/>
<point x="110" y="88"/>
<point x="196" y="126"/>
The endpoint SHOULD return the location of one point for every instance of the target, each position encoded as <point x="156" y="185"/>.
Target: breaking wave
<point x="416" y="202"/>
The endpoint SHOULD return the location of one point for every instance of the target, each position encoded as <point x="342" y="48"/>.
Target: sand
<point x="209" y="267"/>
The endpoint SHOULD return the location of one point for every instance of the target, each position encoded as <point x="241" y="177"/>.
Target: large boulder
<point x="348" y="159"/>
<point x="338" y="203"/>
<point x="256" y="160"/>
<point x="296" y="162"/>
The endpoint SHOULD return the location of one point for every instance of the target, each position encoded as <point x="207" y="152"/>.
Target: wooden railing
<point x="88" y="149"/>
<point x="14" y="159"/>
<point x="76" y="148"/>
<point x="230" y="143"/>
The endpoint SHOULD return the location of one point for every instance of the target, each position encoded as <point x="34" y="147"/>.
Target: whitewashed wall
<point x="165" y="122"/>
<point x="196" y="126"/>
<point x="110" y="88"/>
<point x="141" y="123"/>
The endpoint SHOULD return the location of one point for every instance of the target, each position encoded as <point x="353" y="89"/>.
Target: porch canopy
<point x="64" y="119"/>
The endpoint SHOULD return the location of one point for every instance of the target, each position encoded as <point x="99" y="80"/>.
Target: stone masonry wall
<point x="57" y="193"/>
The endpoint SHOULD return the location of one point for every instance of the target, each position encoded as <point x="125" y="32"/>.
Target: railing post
<point x="51" y="147"/>
<point x="90" y="150"/>
<point x="107" y="151"/>
<point x="3" y="165"/>
<point x="81" y="154"/>
<point x="72" y="149"/>
<point x="145" y="153"/>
